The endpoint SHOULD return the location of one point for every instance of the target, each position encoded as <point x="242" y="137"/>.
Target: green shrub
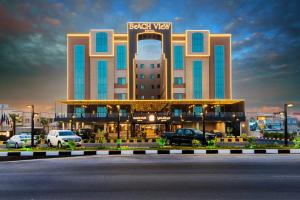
<point x="71" y="145"/>
<point x="161" y="142"/>
<point x="195" y="142"/>
<point x="297" y="142"/>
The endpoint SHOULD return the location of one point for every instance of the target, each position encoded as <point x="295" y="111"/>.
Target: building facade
<point x="193" y="77"/>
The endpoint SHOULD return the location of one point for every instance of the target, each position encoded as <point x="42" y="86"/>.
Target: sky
<point x="265" y="43"/>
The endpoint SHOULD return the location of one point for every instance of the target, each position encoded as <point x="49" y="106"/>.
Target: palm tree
<point x="14" y="118"/>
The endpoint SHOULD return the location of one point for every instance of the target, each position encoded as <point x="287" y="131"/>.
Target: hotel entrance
<point x="149" y="131"/>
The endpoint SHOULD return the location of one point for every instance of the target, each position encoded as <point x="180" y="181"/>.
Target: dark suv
<point x="184" y="136"/>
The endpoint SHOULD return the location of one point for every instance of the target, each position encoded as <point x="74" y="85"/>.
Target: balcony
<point x="125" y="117"/>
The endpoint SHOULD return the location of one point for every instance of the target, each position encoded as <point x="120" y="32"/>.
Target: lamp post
<point x="203" y="123"/>
<point x="32" y="124"/>
<point x="118" y="141"/>
<point x="286" y="105"/>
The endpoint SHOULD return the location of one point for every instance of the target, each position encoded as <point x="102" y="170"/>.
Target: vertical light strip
<point x="197" y="79"/>
<point x="219" y="63"/>
<point x="102" y="79"/>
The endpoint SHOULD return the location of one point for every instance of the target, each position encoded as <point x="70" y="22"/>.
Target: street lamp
<point x="286" y="105"/>
<point x="203" y="123"/>
<point x="32" y="124"/>
<point x="118" y="141"/>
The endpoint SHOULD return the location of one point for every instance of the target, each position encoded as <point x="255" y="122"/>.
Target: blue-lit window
<point x="79" y="51"/>
<point x="197" y="78"/>
<point x="142" y="76"/>
<point x="197" y="42"/>
<point x="122" y="113"/>
<point x="79" y="111"/>
<point x="178" y="80"/>
<point x="121" y="96"/>
<point x="101" y="42"/>
<point x="142" y="66"/>
<point x="142" y="86"/>
<point x="121" y="81"/>
<point x="219" y="72"/>
<point x="178" y="57"/>
<point x="177" y="112"/>
<point x="178" y="95"/>
<point x="121" y="57"/>
<point x="197" y="111"/>
<point x="101" y="111"/>
<point x="152" y="66"/>
<point x="102" y="79"/>
<point x="152" y="76"/>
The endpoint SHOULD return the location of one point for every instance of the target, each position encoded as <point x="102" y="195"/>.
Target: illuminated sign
<point x="139" y="118"/>
<point x="163" y="118"/>
<point x="151" y="118"/>
<point x="149" y="26"/>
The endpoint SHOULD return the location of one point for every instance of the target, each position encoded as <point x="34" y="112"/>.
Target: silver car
<point x="18" y="141"/>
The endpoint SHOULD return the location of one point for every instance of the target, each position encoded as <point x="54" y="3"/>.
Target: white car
<point x="18" y="141"/>
<point x="60" y="138"/>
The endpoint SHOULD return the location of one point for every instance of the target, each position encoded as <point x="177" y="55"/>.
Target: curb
<point x="49" y="154"/>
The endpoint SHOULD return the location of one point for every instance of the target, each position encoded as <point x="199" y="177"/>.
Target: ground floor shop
<point x="149" y="119"/>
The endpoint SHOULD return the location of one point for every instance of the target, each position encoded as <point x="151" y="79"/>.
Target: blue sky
<point x="266" y="43"/>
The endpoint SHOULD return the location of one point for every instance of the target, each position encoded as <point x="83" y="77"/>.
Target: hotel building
<point x="106" y="82"/>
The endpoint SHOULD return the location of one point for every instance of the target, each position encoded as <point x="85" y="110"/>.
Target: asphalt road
<point x="153" y="177"/>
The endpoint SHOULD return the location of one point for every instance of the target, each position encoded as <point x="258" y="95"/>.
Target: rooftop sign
<point x="149" y="26"/>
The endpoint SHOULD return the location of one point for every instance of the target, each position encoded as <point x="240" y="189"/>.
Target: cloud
<point x="52" y="21"/>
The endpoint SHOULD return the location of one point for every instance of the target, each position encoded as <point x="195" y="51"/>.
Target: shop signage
<point x="163" y="118"/>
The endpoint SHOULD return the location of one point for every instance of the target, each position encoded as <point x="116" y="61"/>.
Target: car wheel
<point x="169" y="142"/>
<point x="16" y="146"/>
<point x="59" y="145"/>
<point x="49" y="143"/>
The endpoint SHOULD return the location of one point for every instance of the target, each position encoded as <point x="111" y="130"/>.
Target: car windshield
<point x="66" y="133"/>
<point x="25" y="136"/>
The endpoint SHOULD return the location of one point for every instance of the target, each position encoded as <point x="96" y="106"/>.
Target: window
<point x="136" y="76"/>
<point x="178" y="95"/>
<point x="121" y="96"/>
<point x="180" y="132"/>
<point x="101" y="42"/>
<point x="158" y="75"/>
<point x="178" y="80"/>
<point x="152" y="97"/>
<point x="188" y="132"/>
<point x="136" y="65"/>
<point x="142" y="66"/>
<point x="197" y="78"/>
<point x="158" y="65"/>
<point x="79" y="51"/>
<point x="122" y="113"/>
<point x="121" y="57"/>
<point x="158" y="96"/>
<point x="152" y="66"/>
<point x="197" y="110"/>
<point x="101" y="111"/>
<point x="152" y="86"/>
<point x="121" y="81"/>
<point x="158" y="85"/>
<point x="142" y="76"/>
<point x="102" y="79"/>
<point x="197" y="42"/>
<point x="219" y="72"/>
<point x="177" y="112"/>
<point x="152" y="76"/>
<point x="142" y="86"/>
<point x="178" y="57"/>
<point x="136" y="86"/>
<point x="79" y="112"/>
<point x="142" y="97"/>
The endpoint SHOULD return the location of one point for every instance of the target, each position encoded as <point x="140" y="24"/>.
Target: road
<point x="153" y="177"/>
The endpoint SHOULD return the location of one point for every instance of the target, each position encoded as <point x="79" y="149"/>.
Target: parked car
<point x="60" y="138"/>
<point x="186" y="136"/>
<point x="217" y="133"/>
<point x="86" y="134"/>
<point x="18" y="141"/>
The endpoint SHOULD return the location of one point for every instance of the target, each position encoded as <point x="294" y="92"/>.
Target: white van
<point x="60" y="138"/>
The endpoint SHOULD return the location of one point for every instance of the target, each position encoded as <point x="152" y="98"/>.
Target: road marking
<point x="272" y="151"/>
<point x="52" y="153"/>
<point x="77" y="153"/>
<point x="102" y="153"/>
<point x="127" y="152"/>
<point x="175" y="151"/>
<point x="26" y="153"/>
